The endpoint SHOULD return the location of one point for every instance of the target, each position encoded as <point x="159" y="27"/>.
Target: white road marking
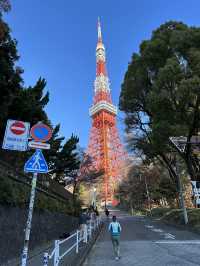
<point x="195" y="242"/>
<point x="157" y="230"/>
<point x="169" y="236"/>
<point x="149" y="226"/>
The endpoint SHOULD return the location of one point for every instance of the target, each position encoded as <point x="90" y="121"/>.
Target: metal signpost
<point x="16" y="138"/>
<point x="16" y="135"/>
<point x="36" y="164"/>
<point x="180" y="143"/>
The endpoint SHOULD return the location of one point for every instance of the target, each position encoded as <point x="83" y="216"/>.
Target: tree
<point x="161" y="95"/>
<point x="27" y="104"/>
<point x="5" y="6"/>
<point x="146" y="185"/>
<point x="17" y="102"/>
<point x="66" y="162"/>
<point x="10" y="75"/>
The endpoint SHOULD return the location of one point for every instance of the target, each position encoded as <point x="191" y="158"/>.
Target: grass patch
<point x="175" y="217"/>
<point x="158" y="212"/>
<point x="13" y="193"/>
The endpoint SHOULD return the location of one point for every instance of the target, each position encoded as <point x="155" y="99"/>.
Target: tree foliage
<point x="161" y="94"/>
<point x="5" y="6"/>
<point x="66" y="162"/>
<point x="147" y="185"/>
<point x="27" y="104"/>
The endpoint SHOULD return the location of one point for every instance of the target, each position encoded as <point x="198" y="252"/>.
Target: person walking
<point x="115" y="230"/>
<point x="83" y="219"/>
<point x="96" y="212"/>
<point x="107" y="213"/>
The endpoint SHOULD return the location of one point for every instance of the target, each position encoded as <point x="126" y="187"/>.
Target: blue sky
<point x="57" y="41"/>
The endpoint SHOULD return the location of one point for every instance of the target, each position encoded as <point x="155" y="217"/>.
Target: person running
<point x="115" y="230"/>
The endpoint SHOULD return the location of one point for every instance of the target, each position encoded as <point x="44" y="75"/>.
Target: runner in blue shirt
<point x="115" y="230"/>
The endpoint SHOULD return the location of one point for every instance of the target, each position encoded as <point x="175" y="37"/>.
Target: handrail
<point x="79" y="235"/>
<point x="64" y="240"/>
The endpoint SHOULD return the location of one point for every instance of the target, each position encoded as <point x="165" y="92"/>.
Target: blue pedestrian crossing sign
<point x="36" y="164"/>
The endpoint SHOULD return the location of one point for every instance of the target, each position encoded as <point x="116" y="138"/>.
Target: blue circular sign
<point x="41" y="132"/>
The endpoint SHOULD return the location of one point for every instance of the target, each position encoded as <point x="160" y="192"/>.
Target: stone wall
<point x="46" y="226"/>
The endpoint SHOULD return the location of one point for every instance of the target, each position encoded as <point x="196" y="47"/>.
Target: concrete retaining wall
<point x="46" y="226"/>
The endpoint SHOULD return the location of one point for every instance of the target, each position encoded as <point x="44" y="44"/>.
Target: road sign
<point x="18" y="128"/>
<point x="179" y="142"/>
<point x="16" y="135"/>
<point x="36" y="164"/>
<point x="39" y="145"/>
<point x="41" y="132"/>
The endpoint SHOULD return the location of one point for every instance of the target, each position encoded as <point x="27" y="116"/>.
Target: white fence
<point x="74" y="240"/>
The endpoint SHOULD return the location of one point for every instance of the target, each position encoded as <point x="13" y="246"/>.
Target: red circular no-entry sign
<point x="18" y="128"/>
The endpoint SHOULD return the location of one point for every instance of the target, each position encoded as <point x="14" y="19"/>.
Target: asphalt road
<point x="147" y="243"/>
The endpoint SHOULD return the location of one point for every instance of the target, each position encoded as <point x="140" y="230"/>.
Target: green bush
<point x="159" y="212"/>
<point x="14" y="193"/>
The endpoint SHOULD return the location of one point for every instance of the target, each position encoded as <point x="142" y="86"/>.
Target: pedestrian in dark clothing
<point x="96" y="211"/>
<point x="107" y="212"/>
<point x="83" y="225"/>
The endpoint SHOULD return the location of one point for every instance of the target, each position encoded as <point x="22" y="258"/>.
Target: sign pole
<point x="29" y="220"/>
<point x="180" y="143"/>
<point x="181" y="196"/>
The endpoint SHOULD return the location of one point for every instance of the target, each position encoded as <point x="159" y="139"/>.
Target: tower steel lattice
<point x="105" y="147"/>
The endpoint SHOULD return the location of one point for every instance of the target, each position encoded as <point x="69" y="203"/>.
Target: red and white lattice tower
<point x="105" y="147"/>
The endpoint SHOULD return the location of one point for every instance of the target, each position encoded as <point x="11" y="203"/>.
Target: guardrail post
<point x="45" y="259"/>
<point x="77" y="240"/>
<point x="90" y="228"/>
<point x="86" y="234"/>
<point x="57" y="253"/>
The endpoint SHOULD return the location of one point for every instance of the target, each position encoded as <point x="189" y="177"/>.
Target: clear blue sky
<point x="57" y="40"/>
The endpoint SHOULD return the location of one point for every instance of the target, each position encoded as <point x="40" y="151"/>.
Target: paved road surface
<point x="147" y="243"/>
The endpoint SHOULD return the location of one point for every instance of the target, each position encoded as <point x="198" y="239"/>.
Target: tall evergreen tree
<point x="66" y="162"/>
<point x="10" y="75"/>
<point x="161" y="94"/>
<point x="27" y="104"/>
<point x="5" y="6"/>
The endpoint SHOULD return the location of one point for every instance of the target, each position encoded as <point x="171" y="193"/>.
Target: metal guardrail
<point x="79" y="236"/>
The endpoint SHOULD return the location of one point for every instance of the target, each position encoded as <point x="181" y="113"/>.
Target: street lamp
<point x="94" y="197"/>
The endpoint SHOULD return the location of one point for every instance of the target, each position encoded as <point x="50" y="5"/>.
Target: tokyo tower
<point x="105" y="147"/>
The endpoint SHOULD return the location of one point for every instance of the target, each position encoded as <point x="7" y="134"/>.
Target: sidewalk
<point x="145" y="243"/>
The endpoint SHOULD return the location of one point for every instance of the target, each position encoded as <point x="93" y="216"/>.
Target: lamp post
<point x="94" y="197"/>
